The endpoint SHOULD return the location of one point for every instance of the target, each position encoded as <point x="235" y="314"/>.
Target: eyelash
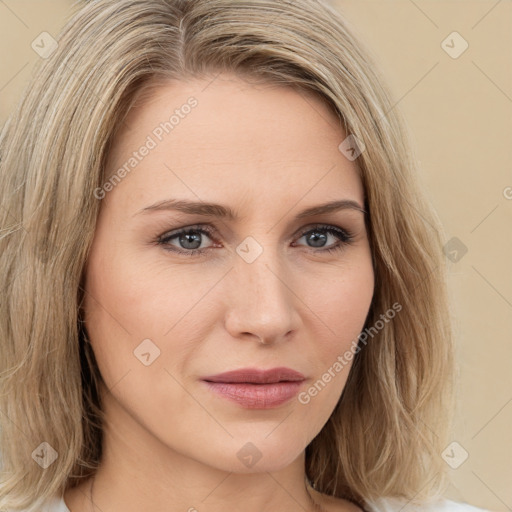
<point x="345" y="238"/>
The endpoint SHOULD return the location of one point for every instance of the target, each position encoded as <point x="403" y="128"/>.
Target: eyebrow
<point x="217" y="210"/>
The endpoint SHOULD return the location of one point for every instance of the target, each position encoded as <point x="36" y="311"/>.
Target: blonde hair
<point x="387" y="432"/>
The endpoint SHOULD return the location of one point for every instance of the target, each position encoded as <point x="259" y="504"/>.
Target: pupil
<point x="315" y="238"/>
<point x="188" y="237"/>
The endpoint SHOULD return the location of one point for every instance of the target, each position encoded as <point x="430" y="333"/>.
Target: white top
<point x="401" y="505"/>
<point x="380" y="505"/>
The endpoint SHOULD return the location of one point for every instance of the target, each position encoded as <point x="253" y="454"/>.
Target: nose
<point x="261" y="302"/>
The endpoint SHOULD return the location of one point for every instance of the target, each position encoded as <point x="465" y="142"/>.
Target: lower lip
<point x="256" y="396"/>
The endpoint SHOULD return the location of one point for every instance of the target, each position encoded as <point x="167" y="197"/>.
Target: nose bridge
<point x="261" y="276"/>
<point x="261" y="301"/>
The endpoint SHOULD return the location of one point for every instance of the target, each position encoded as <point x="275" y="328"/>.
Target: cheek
<point x="142" y="298"/>
<point x="338" y="313"/>
<point x="342" y="307"/>
<point x="341" y="304"/>
<point x="128" y="303"/>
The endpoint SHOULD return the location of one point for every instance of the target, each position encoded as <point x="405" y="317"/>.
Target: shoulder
<point x="403" y="505"/>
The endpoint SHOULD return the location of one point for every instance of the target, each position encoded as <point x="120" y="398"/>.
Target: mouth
<point x="256" y="376"/>
<point x="256" y="389"/>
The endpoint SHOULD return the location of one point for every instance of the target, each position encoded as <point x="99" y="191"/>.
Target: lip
<point x="257" y="376"/>
<point x="253" y="388"/>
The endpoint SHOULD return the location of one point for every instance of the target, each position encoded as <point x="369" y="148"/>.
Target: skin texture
<point x="268" y="153"/>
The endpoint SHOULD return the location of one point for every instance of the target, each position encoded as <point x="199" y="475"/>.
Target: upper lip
<point x="257" y="376"/>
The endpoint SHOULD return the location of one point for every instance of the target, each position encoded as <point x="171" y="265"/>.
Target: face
<point x="174" y="296"/>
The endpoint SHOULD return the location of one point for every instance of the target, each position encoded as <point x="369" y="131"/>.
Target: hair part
<point x="386" y="434"/>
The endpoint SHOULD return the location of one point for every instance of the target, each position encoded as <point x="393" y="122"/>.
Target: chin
<point x="246" y="456"/>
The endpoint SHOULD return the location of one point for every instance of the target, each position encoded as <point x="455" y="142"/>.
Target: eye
<point x="191" y="239"/>
<point x="319" y="235"/>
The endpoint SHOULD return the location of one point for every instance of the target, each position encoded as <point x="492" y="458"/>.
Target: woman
<point x="224" y="287"/>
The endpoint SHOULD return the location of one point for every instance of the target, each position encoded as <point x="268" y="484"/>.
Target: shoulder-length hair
<point x="386" y="434"/>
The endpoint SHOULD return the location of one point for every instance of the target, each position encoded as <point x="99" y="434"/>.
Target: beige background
<point x="460" y="114"/>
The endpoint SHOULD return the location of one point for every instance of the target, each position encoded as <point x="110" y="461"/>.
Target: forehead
<point x="228" y="138"/>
